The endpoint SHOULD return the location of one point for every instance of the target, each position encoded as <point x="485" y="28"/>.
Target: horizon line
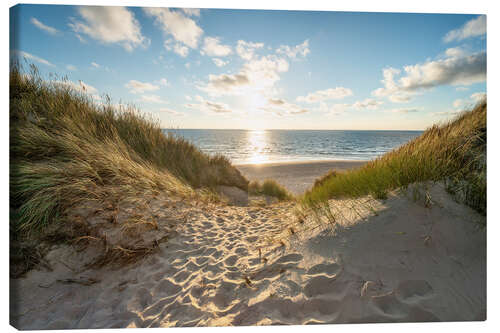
<point x="291" y="129"/>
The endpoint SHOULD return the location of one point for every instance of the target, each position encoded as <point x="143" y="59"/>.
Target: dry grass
<point x="67" y="150"/>
<point x="454" y="152"/>
<point x="270" y="188"/>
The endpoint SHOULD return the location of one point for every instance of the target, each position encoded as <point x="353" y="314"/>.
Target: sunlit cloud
<point x="368" y="103"/>
<point x="454" y="70"/>
<point x="44" y="27"/>
<point x="281" y="107"/>
<point x="473" y="28"/>
<point x="137" y="87"/>
<point x="212" y="47"/>
<point x="219" y="63"/>
<point x="246" y="50"/>
<point x="28" y="56"/>
<point x="209" y="106"/>
<point x="109" y="25"/>
<point x="173" y="22"/>
<point x="257" y="75"/>
<point x="295" y="51"/>
<point x="177" y="47"/>
<point x="191" y="11"/>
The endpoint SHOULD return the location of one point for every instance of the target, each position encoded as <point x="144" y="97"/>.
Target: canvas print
<point x="219" y="167"/>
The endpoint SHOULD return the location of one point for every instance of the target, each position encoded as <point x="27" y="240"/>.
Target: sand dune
<point x="386" y="261"/>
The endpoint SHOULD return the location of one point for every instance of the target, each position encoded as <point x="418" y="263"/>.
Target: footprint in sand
<point x="413" y="290"/>
<point x="290" y="258"/>
<point x="230" y="261"/>
<point x="328" y="269"/>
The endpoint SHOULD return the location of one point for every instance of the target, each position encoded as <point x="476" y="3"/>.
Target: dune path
<point x="395" y="261"/>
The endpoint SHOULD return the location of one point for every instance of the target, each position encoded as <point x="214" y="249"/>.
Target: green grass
<point x="270" y="188"/>
<point x="66" y="149"/>
<point x="453" y="152"/>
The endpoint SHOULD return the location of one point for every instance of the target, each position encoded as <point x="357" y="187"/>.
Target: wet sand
<point x="297" y="177"/>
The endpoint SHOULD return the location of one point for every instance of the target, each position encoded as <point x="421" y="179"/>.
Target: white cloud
<point x="327" y="94"/>
<point x="80" y="87"/>
<point x="219" y="63"/>
<point x="70" y="67"/>
<point x="461" y="88"/>
<point x="153" y="99"/>
<point x="109" y="25"/>
<point x="95" y="64"/>
<point x="209" y="106"/>
<point x="479" y="96"/>
<point x="178" y="48"/>
<point x="473" y="28"/>
<point x="368" y="103"/>
<point x="292" y="52"/>
<point x="172" y="112"/>
<point x="281" y="107"/>
<point x="256" y="75"/>
<point x="191" y="11"/>
<point x="46" y="28"/>
<point x="454" y="70"/>
<point x="137" y="87"/>
<point x="183" y="29"/>
<point x="213" y="48"/>
<point x="246" y="50"/>
<point x="28" y="56"/>
<point x="455" y="52"/>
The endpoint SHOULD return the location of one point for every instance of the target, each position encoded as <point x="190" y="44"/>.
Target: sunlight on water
<point x="257" y="146"/>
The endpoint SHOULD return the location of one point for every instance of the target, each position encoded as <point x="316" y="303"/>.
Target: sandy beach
<point x="396" y="260"/>
<point x="297" y="177"/>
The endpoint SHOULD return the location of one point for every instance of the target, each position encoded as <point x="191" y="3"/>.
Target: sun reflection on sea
<point x="257" y="146"/>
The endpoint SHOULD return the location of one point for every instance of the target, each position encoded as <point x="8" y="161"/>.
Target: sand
<point x="297" y="177"/>
<point x="398" y="260"/>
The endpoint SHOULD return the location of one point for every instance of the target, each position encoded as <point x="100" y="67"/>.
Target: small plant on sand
<point x="270" y="188"/>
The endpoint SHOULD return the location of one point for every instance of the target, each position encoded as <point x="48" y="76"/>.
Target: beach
<point x="297" y="176"/>
<point x="394" y="260"/>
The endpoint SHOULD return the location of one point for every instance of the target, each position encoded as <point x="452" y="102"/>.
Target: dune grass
<point x="66" y="148"/>
<point x="271" y="188"/>
<point x="453" y="152"/>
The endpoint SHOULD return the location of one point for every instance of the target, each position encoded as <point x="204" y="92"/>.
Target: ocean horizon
<point x="269" y="146"/>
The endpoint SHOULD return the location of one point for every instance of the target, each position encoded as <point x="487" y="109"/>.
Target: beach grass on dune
<point x="453" y="152"/>
<point x="66" y="148"/>
<point x="271" y="188"/>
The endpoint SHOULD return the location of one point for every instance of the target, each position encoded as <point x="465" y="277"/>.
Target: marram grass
<point x="66" y="149"/>
<point x="453" y="152"/>
<point x="271" y="188"/>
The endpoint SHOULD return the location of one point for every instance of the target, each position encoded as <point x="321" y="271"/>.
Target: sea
<point x="269" y="146"/>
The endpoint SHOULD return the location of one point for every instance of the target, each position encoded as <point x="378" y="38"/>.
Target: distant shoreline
<point x="296" y="176"/>
<point x="295" y="162"/>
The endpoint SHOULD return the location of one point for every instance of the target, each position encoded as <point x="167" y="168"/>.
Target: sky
<point x="262" y="69"/>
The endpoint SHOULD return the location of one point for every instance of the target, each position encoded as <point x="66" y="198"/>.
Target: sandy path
<point x="297" y="177"/>
<point x="391" y="261"/>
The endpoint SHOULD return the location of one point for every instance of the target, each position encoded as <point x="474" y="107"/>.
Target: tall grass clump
<point x="453" y="152"/>
<point x="67" y="149"/>
<point x="270" y="188"/>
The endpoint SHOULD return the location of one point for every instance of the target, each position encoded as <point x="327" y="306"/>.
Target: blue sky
<point x="262" y="69"/>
